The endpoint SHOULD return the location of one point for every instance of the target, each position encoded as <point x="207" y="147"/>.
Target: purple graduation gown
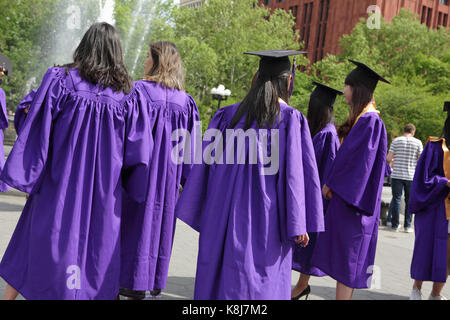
<point x="346" y="250"/>
<point x="427" y="201"/>
<point x="326" y="145"/>
<point x="248" y="221"/>
<point x="148" y="228"/>
<point x="3" y="126"/>
<point x="79" y="145"/>
<point x="20" y="116"/>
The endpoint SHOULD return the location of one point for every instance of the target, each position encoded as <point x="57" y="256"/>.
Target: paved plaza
<point x="393" y="259"/>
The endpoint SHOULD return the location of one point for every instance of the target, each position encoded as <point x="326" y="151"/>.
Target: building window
<point x="424" y="13"/>
<point x="294" y="11"/>
<point x="429" y="17"/>
<point x="306" y="27"/>
<point x="444" y="23"/>
<point x="321" y="29"/>
<point x="444" y="2"/>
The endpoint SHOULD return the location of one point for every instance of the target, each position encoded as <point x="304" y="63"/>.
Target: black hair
<point x="446" y="132"/>
<point x="319" y="115"/>
<point x="99" y="58"/>
<point x="261" y="103"/>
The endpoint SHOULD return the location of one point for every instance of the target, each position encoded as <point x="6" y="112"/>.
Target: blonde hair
<point x="167" y="68"/>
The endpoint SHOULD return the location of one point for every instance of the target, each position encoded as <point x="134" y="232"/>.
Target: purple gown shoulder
<point x="361" y="161"/>
<point x="429" y="185"/>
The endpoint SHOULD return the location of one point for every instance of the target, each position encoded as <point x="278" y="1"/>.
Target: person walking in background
<point x="404" y="153"/>
<point x="148" y="228"/>
<point x="430" y="204"/>
<point x="326" y="144"/>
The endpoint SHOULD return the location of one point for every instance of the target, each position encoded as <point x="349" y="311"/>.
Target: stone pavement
<point x="394" y="253"/>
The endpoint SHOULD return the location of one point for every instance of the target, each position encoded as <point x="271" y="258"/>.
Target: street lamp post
<point x="220" y="94"/>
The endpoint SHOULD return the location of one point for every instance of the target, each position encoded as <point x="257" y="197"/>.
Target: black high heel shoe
<point x="305" y="292"/>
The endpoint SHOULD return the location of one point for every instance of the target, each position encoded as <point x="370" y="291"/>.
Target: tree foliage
<point x="414" y="58"/>
<point x="213" y="38"/>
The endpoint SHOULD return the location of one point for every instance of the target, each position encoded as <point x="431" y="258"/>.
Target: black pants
<point x="138" y="295"/>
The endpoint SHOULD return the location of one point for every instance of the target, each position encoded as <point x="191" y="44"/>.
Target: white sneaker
<point x="437" y="298"/>
<point x="416" y="294"/>
<point x="389" y="224"/>
<point x="408" y="230"/>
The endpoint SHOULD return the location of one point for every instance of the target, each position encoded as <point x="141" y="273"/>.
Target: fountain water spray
<point x="106" y="11"/>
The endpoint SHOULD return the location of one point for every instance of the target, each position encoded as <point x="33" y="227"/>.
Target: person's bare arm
<point x="390" y="157"/>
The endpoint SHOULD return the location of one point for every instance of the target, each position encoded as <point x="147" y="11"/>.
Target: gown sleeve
<point x="189" y="208"/>
<point x="429" y="185"/>
<point x="326" y="145"/>
<point x="20" y="116"/>
<point x="194" y="119"/>
<point x="29" y="154"/>
<point x="304" y="207"/>
<point x="138" y="147"/>
<point x="4" y="112"/>
<point x="359" y="168"/>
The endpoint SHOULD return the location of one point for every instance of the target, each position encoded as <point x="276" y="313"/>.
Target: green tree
<point x="224" y="30"/>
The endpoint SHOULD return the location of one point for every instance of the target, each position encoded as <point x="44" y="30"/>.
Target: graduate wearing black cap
<point x="326" y="144"/>
<point x="430" y="204"/>
<point x="346" y="250"/>
<point x="249" y="218"/>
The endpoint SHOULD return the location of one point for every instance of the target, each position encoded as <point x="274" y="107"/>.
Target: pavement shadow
<point x="329" y="293"/>
<point x="179" y="288"/>
<point x="5" y="206"/>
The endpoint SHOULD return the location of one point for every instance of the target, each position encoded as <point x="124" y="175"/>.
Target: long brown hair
<point x="100" y="60"/>
<point x="361" y="97"/>
<point x="167" y="68"/>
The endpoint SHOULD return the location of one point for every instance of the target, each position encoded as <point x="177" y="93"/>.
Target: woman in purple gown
<point x="430" y="204"/>
<point x="346" y="250"/>
<point x="251" y="200"/>
<point x="326" y="144"/>
<point x="3" y="126"/>
<point x="148" y="228"/>
<point x="84" y="138"/>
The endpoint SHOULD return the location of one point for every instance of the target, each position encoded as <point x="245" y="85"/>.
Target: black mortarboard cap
<point x="6" y="63"/>
<point x="274" y="62"/>
<point x="447" y="106"/>
<point x="325" y="94"/>
<point x="366" y="76"/>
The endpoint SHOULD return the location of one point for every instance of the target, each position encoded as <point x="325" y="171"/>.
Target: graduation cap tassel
<point x="294" y="69"/>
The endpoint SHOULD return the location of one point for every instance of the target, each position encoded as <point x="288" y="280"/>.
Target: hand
<point x="302" y="240"/>
<point x="327" y="193"/>
<point x="26" y="110"/>
<point x="448" y="183"/>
